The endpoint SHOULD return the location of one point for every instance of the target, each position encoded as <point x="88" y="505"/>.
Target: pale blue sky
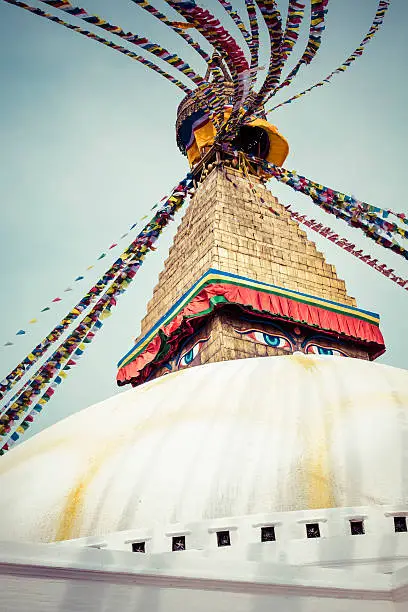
<point x="88" y="146"/>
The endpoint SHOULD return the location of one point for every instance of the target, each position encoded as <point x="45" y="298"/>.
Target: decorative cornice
<point x="216" y="288"/>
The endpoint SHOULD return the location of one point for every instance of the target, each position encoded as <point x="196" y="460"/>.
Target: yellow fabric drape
<point x="278" y="145"/>
<point x="204" y="136"/>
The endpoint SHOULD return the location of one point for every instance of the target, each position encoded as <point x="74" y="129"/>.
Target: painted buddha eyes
<point x="188" y="357"/>
<point x="315" y="349"/>
<point x="271" y="340"/>
<point x="280" y="341"/>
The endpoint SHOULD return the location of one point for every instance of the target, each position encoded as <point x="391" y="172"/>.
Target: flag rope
<point x="141" y="245"/>
<point x="348" y="246"/>
<point x="135" y="39"/>
<point x="355" y="212"/>
<point x="104" y="41"/>
<point x="382" y="8"/>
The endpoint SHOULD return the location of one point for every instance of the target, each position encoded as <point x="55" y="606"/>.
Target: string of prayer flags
<point x="386" y="212"/>
<point x="356" y="208"/>
<point x="222" y="41"/>
<point x="382" y="8"/>
<point x="244" y="81"/>
<point x="107" y="43"/>
<point x="214" y="32"/>
<point x="236" y="18"/>
<point x="20" y="403"/>
<point x="253" y="21"/>
<point x="380" y="218"/>
<point x="253" y="44"/>
<point x="113" y="292"/>
<point x="139" y="247"/>
<point x="79" y="278"/>
<point x="16" y="405"/>
<point x="273" y="22"/>
<point x="74" y="345"/>
<point x="135" y="39"/>
<point x="401" y="216"/>
<point x="317" y="27"/>
<point x="175" y="25"/>
<point x="76" y="280"/>
<point x="244" y="100"/>
<point x="348" y="246"/>
<point x="296" y="12"/>
<point x="21" y="426"/>
<point x="354" y="212"/>
<point x="219" y="101"/>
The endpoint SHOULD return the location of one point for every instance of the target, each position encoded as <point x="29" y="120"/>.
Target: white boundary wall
<point x="337" y="572"/>
<point x="43" y="578"/>
<point x="380" y="548"/>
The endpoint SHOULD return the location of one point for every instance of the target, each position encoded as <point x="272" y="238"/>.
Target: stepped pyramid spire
<point x="228" y="227"/>
<point x="243" y="280"/>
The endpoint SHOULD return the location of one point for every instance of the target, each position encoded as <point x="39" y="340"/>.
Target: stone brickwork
<point x="225" y="343"/>
<point x="228" y="228"/>
<point x="227" y="339"/>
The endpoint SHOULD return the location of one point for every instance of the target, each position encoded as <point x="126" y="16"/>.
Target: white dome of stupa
<point x="225" y="439"/>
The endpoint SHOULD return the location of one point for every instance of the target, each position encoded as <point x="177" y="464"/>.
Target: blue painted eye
<point x="322" y="350"/>
<point x="275" y="341"/>
<point x="189" y="356"/>
<point x="268" y="339"/>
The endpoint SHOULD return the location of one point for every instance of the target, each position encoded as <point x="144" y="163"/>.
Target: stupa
<point x="272" y="429"/>
<point x="257" y="459"/>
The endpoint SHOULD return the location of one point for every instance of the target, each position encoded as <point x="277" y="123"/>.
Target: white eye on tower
<point x="272" y="340"/>
<point x="188" y="357"/>
<point x="315" y="349"/>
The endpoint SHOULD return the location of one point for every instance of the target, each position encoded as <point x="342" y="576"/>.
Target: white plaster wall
<point x="399" y="587"/>
<point x="379" y="548"/>
<point x="43" y="578"/>
<point x="50" y="595"/>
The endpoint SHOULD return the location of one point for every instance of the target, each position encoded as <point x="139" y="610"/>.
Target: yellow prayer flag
<point x="182" y="25"/>
<point x="105" y="314"/>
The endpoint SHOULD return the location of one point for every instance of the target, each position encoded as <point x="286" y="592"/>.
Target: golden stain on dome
<point x="252" y="436"/>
